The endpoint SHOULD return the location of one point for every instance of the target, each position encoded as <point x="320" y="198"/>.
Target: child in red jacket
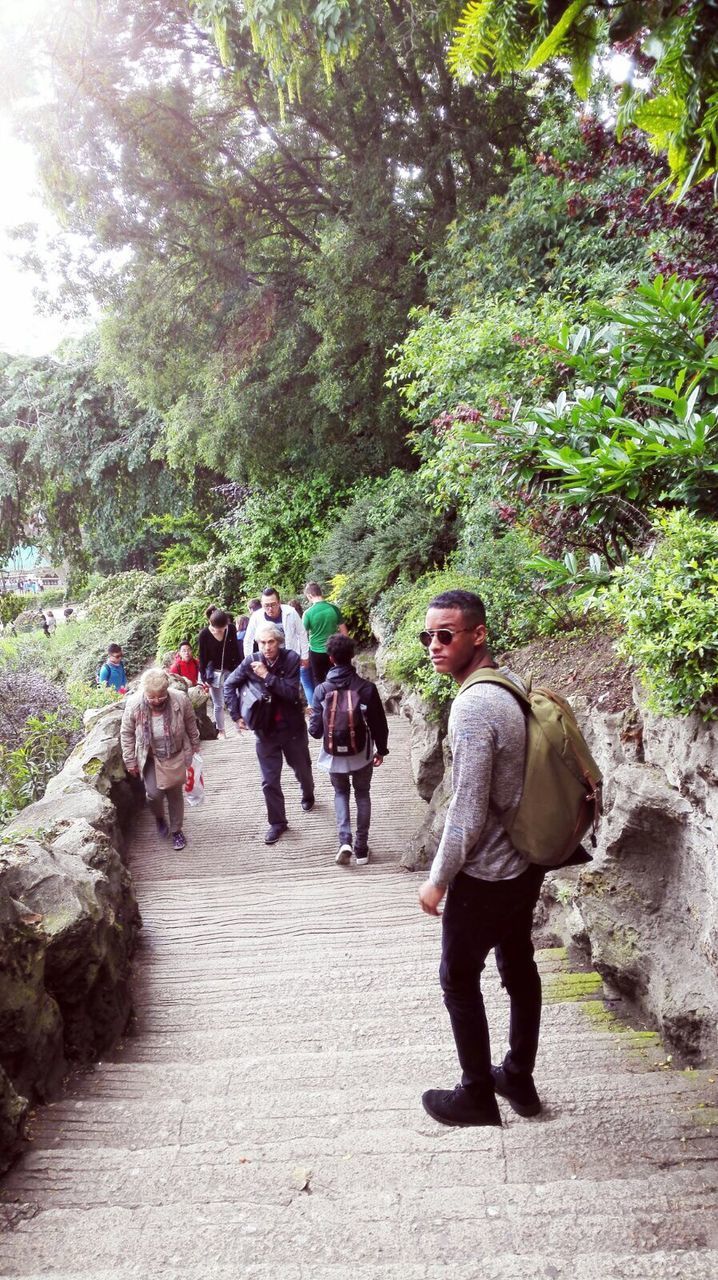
<point x="185" y="664"/>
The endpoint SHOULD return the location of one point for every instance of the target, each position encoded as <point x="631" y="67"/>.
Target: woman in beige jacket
<point x="159" y="735"/>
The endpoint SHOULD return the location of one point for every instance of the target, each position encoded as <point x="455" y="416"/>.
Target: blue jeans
<point x="361" y="781"/>
<point x="305" y="675"/>
<point x="482" y="916"/>
<point x="217" y="695"/>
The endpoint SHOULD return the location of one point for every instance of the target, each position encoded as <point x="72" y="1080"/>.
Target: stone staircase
<point x="263" y="1119"/>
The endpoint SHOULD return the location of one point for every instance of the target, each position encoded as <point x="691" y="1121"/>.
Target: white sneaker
<point x="344" y="855"/>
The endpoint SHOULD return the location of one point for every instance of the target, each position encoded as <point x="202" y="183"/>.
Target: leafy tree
<point x="79" y="473"/>
<point x="269" y="252"/>
<point x="672" y="93"/>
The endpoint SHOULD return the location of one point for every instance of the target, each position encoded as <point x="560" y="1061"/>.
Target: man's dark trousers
<point x="272" y="750"/>
<point x="319" y="663"/>
<point x="480" y="916"/>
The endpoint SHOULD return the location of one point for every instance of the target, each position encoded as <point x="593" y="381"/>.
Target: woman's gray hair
<point x="154" y="681"/>
<point x="266" y="630"/>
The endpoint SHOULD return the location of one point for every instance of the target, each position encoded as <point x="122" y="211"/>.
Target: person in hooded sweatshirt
<point x="349" y="768"/>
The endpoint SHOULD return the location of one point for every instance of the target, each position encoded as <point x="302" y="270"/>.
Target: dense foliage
<point x="183" y="620"/>
<point x="667" y="606"/>
<point x="670" y="48"/>
<point x="38" y="728"/>
<point x="364" y="321"/>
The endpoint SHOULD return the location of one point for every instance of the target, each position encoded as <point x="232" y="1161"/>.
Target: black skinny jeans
<point x="481" y="916"/>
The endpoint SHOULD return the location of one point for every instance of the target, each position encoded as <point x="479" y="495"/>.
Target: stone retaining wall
<point x="68" y="922"/>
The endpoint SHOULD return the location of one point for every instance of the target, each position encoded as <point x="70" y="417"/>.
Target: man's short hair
<point x="268" y="630"/>
<point x="270" y="591"/>
<point x="341" y="649"/>
<point x="313" y="589"/>
<point x="219" y="618"/>
<point x="114" y="648"/>
<point x="471" y="605"/>
<point x="254" y="604"/>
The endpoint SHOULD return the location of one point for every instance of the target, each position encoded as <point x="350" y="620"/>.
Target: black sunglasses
<point x="442" y="633"/>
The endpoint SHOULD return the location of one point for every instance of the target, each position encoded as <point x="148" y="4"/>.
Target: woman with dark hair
<point x="218" y="655"/>
<point x="241" y="622"/>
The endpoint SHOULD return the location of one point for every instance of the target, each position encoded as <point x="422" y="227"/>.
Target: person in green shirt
<point x="321" y="620"/>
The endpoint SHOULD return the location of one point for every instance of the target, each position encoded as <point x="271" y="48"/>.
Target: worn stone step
<point x="289" y="1017"/>
<point x="688" y="1264"/>
<point x="284" y="1223"/>
<point x="344" y="1155"/>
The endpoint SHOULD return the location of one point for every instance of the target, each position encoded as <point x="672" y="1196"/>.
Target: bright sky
<point x="22" y="330"/>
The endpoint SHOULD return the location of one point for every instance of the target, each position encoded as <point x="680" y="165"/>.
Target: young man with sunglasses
<point x="491" y="890"/>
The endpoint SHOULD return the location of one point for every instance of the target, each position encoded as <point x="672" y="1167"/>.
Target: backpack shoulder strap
<point x="359" y="684"/>
<point x="490" y="675"/>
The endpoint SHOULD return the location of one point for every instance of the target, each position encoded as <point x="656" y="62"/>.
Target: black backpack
<point x="345" y="731"/>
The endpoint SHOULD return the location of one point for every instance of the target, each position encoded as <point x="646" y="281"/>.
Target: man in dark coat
<point x="285" y="737"/>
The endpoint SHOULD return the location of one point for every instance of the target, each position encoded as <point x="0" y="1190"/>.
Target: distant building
<point x="29" y="570"/>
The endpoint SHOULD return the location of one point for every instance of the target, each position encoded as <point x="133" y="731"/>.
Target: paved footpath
<point x="264" y="1118"/>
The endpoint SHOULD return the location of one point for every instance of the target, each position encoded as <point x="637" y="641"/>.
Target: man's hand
<point x="260" y="670"/>
<point x="240" y="725"/>
<point x="133" y="770"/>
<point x="430" y="896"/>
<point x="378" y="760"/>
<point x="304" y="662"/>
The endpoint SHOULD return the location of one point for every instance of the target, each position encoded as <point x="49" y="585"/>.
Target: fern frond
<point x="554" y="41"/>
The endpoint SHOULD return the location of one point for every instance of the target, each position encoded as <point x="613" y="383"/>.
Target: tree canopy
<point x="263" y="253"/>
<point x="671" y="90"/>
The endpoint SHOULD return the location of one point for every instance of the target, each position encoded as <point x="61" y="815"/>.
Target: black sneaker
<point x="276" y="830"/>
<point x="519" y="1091"/>
<point x="307" y="803"/>
<point x="459" y="1107"/>
<point x="178" y="840"/>
<point x="361" y="856"/>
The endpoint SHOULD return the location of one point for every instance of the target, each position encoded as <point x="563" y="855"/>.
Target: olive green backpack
<point x="561" y="798"/>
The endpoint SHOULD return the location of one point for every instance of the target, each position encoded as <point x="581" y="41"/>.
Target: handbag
<point x="214" y="676"/>
<point x="171" y="772"/>
<point x="255" y="707"/>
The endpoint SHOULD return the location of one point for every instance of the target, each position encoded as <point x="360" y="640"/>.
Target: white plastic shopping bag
<point x="194" y="786"/>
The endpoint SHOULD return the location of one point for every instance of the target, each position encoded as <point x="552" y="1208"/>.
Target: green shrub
<point x="72" y="652"/>
<point x="497" y="572"/>
<point x="389" y="530"/>
<point x="128" y="595"/>
<point x="26" y="770"/>
<point x="515" y="611"/>
<point x="83" y="695"/>
<point x="138" y="637"/>
<point x="272" y="534"/>
<point x="217" y="578"/>
<point x="11" y="604"/>
<point x="667" y="605"/>
<point x="183" y="621"/>
<point x="50" y="598"/>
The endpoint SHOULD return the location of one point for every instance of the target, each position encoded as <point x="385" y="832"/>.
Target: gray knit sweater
<point x="487" y="733"/>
